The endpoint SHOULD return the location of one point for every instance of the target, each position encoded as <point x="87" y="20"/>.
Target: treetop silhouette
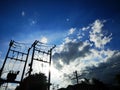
<point x="34" y="82"/>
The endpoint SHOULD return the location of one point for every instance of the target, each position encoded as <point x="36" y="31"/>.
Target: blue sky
<point x="47" y="16"/>
<point x="59" y="22"/>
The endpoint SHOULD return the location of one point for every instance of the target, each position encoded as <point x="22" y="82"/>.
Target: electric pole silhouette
<point x="13" y="54"/>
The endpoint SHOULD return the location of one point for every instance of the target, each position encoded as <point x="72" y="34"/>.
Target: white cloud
<point x="23" y="13"/>
<point x="85" y="28"/>
<point x="93" y="59"/>
<point x="86" y="43"/>
<point x="71" y="31"/>
<point x="44" y="40"/>
<point x="97" y="26"/>
<point x="106" y="71"/>
<point x="79" y="37"/>
<point x="96" y="35"/>
<point x="67" y="40"/>
<point x="80" y="55"/>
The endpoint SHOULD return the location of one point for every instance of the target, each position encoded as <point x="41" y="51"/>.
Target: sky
<point x="85" y="32"/>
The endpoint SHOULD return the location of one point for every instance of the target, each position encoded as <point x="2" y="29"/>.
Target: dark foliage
<point x="95" y="85"/>
<point x="34" y="82"/>
<point x="117" y="78"/>
<point x="1" y="81"/>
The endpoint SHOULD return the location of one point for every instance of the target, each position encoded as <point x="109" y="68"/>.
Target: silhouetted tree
<point x="1" y="81"/>
<point x="34" y="82"/>
<point x="117" y="78"/>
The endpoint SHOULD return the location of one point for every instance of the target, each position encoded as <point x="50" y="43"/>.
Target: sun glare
<point x="44" y="40"/>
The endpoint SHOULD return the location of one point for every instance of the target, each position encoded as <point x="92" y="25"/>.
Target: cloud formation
<point x="72" y="50"/>
<point x="96" y="35"/>
<point x="71" y="31"/>
<point x="106" y="71"/>
<point x="85" y="50"/>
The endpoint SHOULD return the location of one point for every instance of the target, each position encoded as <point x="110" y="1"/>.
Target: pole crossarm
<point x="18" y="52"/>
<point x="76" y="77"/>
<point x="43" y="52"/>
<point x="16" y="59"/>
<point x="41" y="60"/>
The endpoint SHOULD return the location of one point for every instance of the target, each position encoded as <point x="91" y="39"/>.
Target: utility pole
<point x="15" y="54"/>
<point x="76" y="77"/>
<point x="37" y="48"/>
<point x="33" y="45"/>
<point x="49" y="77"/>
<point x="10" y="45"/>
<point x="25" y="65"/>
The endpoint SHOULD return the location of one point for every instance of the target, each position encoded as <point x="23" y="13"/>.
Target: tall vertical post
<point x="76" y="75"/>
<point x="10" y="45"/>
<point x="32" y="56"/>
<point x="49" y="76"/>
<point x="25" y="64"/>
